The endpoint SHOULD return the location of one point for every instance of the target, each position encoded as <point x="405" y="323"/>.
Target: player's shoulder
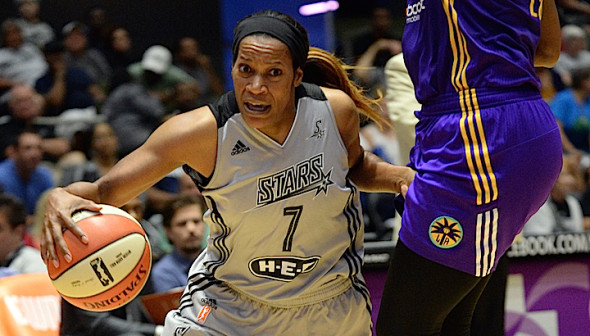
<point x="339" y="100"/>
<point x="200" y="120"/>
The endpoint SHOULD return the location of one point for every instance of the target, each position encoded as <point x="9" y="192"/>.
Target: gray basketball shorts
<point x="213" y="308"/>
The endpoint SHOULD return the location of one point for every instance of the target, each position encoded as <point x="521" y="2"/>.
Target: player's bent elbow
<point x="546" y="58"/>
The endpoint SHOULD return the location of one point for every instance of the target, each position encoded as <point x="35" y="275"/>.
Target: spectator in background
<point x="190" y="59"/>
<point x="373" y="48"/>
<point x="571" y="108"/>
<point x="551" y="82"/>
<point x="575" y="12"/>
<point x="20" y="62"/>
<point x="574" y="54"/>
<point x="120" y="54"/>
<point x="158" y="75"/>
<point x="33" y="29"/>
<point x="25" y="105"/>
<point x="381" y="28"/>
<point x="98" y="22"/>
<point x="104" y="153"/>
<point x="562" y="212"/>
<point x="185" y="228"/>
<point x="133" y="112"/>
<point x="157" y="236"/>
<point x="401" y="105"/>
<point x="23" y="175"/>
<point x="65" y="86"/>
<point x="79" y="54"/>
<point x="14" y="254"/>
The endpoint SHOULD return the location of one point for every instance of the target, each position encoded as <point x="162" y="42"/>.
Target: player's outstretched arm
<point x="189" y="138"/>
<point x="369" y="172"/>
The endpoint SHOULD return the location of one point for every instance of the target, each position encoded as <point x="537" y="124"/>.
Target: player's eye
<point x="275" y="72"/>
<point x="244" y="68"/>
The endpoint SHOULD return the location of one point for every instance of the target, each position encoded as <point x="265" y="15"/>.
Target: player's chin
<point x="257" y="121"/>
<point x="192" y="249"/>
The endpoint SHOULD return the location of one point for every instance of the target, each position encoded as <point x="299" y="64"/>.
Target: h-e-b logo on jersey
<point x="102" y="272"/>
<point x="282" y="268"/>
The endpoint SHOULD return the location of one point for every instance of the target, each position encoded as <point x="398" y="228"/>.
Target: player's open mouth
<point x="256" y="108"/>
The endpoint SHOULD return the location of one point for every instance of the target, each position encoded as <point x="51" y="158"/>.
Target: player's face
<point x="187" y="229"/>
<point x="264" y="83"/>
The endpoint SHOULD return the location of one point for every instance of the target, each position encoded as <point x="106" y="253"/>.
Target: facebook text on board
<point x="559" y="244"/>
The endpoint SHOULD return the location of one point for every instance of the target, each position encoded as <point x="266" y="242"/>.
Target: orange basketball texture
<point x="111" y="269"/>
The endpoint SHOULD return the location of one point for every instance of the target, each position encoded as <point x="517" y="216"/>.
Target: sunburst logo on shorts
<point x="445" y="232"/>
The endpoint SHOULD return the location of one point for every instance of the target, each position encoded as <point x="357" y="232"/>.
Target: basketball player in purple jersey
<point x="487" y="153"/>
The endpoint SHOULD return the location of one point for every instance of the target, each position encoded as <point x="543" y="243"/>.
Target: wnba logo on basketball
<point x="102" y="272"/>
<point x="445" y="232"/>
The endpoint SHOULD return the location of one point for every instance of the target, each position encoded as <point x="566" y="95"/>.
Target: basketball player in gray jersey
<point x="279" y="163"/>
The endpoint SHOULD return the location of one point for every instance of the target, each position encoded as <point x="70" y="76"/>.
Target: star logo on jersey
<point x="445" y="232"/>
<point x="318" y="132"/>
<point x="324" y="184"/>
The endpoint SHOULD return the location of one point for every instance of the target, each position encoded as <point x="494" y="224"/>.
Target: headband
<point x="277" y="28"/>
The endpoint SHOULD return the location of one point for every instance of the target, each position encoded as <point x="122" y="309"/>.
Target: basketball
<point x="111" y="269"/>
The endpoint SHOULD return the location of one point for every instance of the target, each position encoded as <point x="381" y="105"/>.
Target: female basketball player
<point x="276" y="160"/>
<point x="487" y="151"/>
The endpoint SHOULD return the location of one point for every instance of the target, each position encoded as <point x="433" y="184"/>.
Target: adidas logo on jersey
<point x="239" y="148"/>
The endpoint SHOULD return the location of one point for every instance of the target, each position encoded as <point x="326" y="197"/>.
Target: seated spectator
<point x="571" y="108"/>
<point x="134" y="113"/>
<point x="120" y="54"/>
<point x="65" y="87"/>
<point x="372" y="48"/>
<point x="154" y="230"/>
<point x="574" y="12"/>
<point x="98" y="22"/>
<point x="562" y="212"/>
<point x="183" y="221"/>
<point x="551" y="82"/>
<point x="33" y="29"/>
<point x="14" y="254"/>
<point x="186" y="98"/>
<point x="80" y="55"/>
<point x="104" y="153"/>
<point x="575" y="53"/>
<point x="22" y="174"/>
<point x="190" y="59"/>
<point x="20" y="62"/>
<point x="156" y="73"/>
<point x="25" y="105"/>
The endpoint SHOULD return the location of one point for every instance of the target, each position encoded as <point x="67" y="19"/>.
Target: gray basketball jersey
<point x="285" y="222"/>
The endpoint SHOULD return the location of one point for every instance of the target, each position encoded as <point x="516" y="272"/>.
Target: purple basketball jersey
<point x="488" y="148"/>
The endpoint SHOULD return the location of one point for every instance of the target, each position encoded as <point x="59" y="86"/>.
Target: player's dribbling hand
<point x="57" y="218"/>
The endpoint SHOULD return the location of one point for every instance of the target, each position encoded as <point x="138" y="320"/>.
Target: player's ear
<point x="298" y="77"/>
